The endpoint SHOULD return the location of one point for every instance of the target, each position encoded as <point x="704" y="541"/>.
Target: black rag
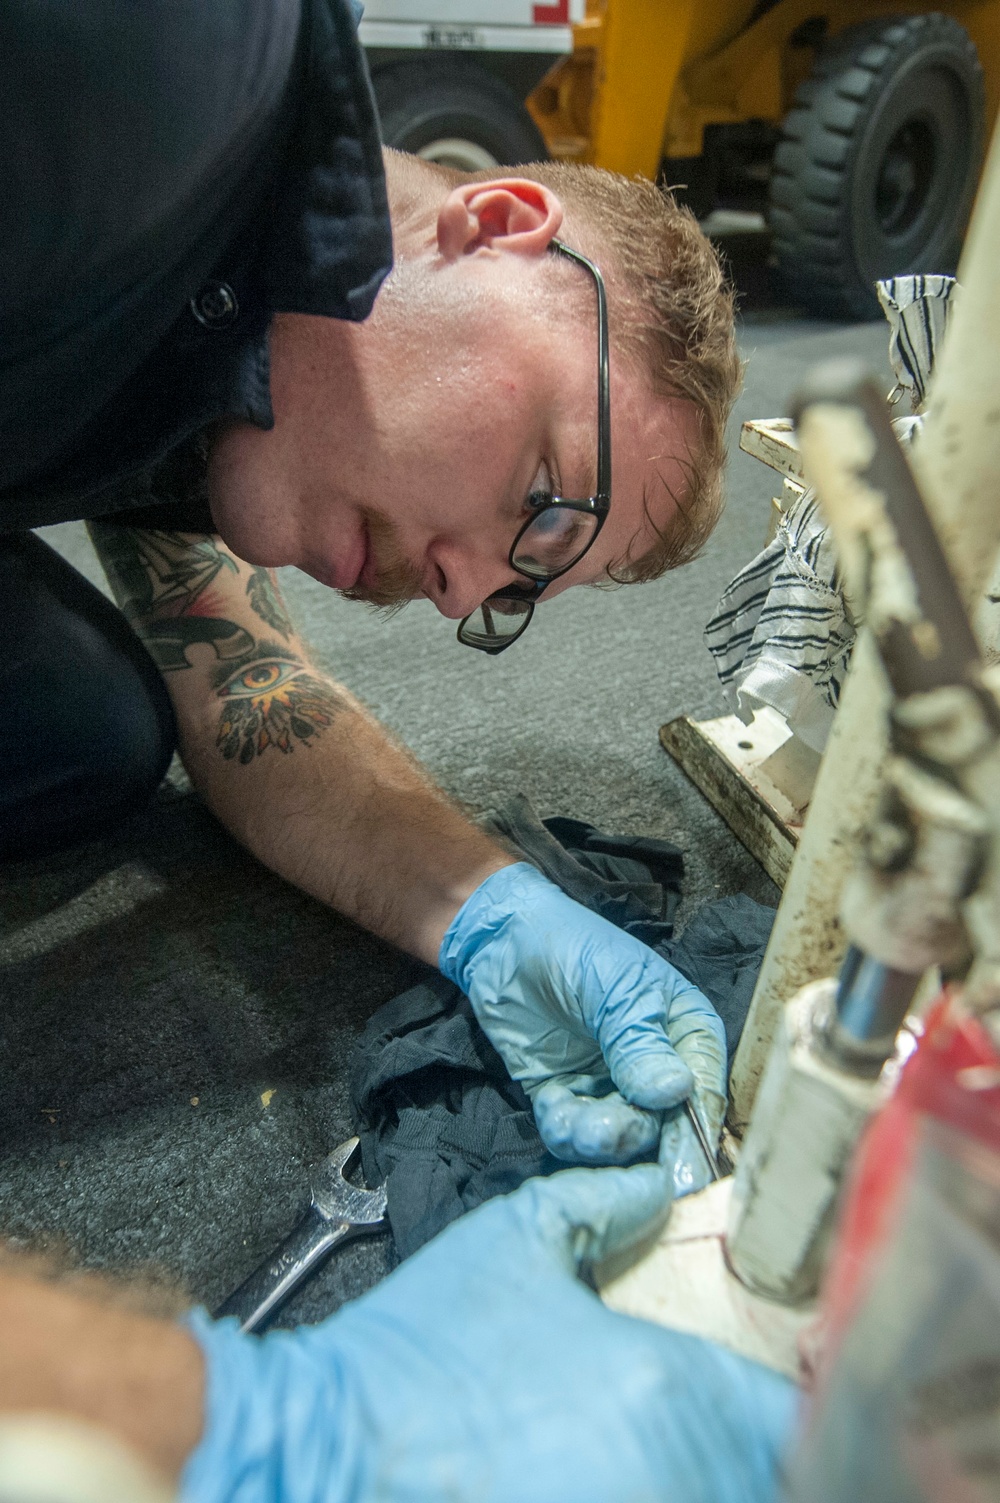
<point x="440" y="1120"/>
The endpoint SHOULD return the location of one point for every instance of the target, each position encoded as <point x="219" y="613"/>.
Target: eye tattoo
<point x="272" y="702"/>
<point x="259" y="678"/>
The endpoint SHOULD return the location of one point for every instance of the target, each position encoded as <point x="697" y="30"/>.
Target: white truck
<point x="451" y="76"/>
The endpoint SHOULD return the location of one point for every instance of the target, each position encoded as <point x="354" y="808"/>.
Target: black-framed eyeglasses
<point x="560" y="530"/>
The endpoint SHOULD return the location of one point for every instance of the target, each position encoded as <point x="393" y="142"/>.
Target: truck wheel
<point x="878" y="163"/>
<point x="451" y="111"/>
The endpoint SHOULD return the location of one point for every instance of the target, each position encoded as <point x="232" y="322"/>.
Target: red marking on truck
<point x="551" y="15"/>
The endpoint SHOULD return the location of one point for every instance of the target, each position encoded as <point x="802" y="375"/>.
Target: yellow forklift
<point x="856" y="129"/>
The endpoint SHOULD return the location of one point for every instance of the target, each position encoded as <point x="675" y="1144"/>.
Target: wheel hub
<point x="457" y="151"/>
<point x="905" y="177"/>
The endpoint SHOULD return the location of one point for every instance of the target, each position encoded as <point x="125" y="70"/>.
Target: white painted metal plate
<point x="472" y="25"/>
<point x="683" y="1282"/>
<point x="735" y="766"/>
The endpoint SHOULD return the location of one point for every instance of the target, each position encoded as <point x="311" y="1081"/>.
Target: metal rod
<point x="701" y="1134"/>
<point x="873" y="999"/>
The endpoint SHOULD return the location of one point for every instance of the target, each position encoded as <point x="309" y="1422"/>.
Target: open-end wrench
<point x="338" y="1213"/>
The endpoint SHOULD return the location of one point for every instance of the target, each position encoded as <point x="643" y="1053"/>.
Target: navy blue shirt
<point x="176" y="172"/>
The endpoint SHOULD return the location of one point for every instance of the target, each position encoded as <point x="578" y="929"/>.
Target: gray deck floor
<point x="158" y="984"/>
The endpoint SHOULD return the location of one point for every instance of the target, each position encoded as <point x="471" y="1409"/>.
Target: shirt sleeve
<point x="128" y="136"/>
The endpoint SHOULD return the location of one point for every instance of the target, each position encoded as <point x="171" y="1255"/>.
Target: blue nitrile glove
<point x="577" y="1007"/>
<point x="483" y="1371"/>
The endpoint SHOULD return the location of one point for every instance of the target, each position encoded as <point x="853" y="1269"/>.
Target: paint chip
<point x="265" y="1098"/>
<point x="195" y="1100"/>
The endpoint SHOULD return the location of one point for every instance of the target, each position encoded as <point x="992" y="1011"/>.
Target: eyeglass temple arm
<point x="603" y="371"/>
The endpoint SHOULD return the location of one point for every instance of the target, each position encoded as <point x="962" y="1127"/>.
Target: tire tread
<point x="810" y="176"/>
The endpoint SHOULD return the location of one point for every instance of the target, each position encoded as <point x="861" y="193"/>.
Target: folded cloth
<point x="783" y="633"/>
<point x="918" y="309"/>
<point x="440" y="1120"/>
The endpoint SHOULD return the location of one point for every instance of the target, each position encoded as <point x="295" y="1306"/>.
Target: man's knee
<point x="87" y="730"/>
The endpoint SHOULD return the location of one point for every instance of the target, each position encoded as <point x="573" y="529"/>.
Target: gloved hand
<point x="483" y="1371"/>
<point x="602" y="1033"/>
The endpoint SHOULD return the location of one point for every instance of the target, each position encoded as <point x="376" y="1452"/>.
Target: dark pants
<point x="86" y="725"/>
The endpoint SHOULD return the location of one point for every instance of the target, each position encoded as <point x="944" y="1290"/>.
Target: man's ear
<point x="508" y="214"/>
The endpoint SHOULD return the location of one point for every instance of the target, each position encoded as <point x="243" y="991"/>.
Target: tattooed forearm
<point x="181" y="591"/>
<point x="158" y="573"/>
<point x="168" y="585"/>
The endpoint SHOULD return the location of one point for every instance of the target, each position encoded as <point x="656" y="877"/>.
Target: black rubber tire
<point x="878" y="163"/>
<point x="441" y="98"/>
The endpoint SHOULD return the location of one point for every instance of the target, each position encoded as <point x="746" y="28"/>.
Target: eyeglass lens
<point x="554" y="541"/>
<point x="496" y="620"/>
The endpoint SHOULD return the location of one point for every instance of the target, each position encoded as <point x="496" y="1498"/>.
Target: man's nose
<point x="461" y="579"/>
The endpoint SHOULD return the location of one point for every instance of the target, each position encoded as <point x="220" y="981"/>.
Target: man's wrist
<point x="502" y="892"/>
<point x="441" y="920"/>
